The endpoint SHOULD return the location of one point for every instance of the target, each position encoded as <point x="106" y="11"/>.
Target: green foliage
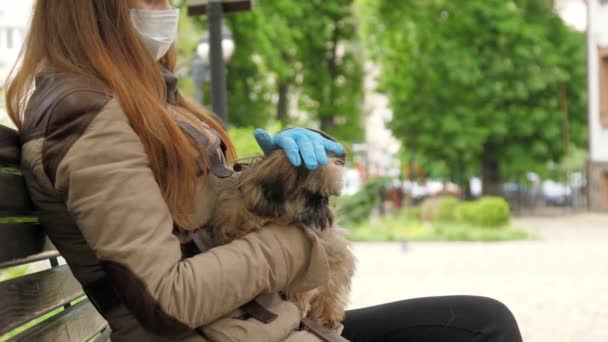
<point x="446" y="211"/>
<point x="189" y="34"/>
<point x="465" y="212"/>
<point x="574" y="161"/>
<point x="243" y="141"/>
<point x="332" y="85"/>
<point x="288" y="49"/>
<point x="467" y="233"/>
<point x="249" y="93"/>
<point x="492" y="212"/>
<point x="249" y="97"/>
<point x="357" y="208"/>
<point x="467" y="76"/>
<point x="413" y="213"/>
<point x="487" y="212"/>
<point x="400" y="227"/>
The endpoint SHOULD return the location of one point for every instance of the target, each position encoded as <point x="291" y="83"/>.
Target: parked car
<point x="556" y="194"/>
<point x="418" y="192"/>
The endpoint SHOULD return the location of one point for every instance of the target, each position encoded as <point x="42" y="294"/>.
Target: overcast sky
<point x="574" y="13"/>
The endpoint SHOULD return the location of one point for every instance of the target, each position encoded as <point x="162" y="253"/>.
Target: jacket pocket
<point x="234" y="329"/>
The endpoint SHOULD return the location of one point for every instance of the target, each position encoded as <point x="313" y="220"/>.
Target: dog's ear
<point x="269" y="183"/>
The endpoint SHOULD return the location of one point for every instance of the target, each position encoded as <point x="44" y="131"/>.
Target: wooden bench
<point x="52" y="294"/>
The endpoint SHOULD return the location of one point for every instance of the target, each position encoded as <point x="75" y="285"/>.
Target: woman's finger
<point x="320" y="153"/>
<point x="334" y="147"/>
<point x="307" y="151"/>
<point x="289" y="146"/>
<point x="264" y="140"/>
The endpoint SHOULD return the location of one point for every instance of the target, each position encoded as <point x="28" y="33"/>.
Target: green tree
<point x="249" y="93"/>
<point x="481" y="86"/>
<point x="298" y="45"/>
<point x="264" y="67"/>
<point x="332" y="85"/>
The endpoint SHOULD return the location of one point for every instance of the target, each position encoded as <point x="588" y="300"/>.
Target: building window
<point x="604" y="86"/>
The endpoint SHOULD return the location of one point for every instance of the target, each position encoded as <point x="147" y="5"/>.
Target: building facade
<point x="379" y="153"/>
<point x="597" y="51"/>
<point x="14" y="21"/>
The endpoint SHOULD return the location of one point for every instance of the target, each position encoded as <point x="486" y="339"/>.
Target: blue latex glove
<point x="299" y="144"/>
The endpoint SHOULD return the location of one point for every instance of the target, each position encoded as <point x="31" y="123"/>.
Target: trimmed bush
<point x="439" y="209"/>
<point x="446" y="210"/>
<point x="489" y="212"/>
<point x="492" y="212"/>
<point x="357" y="208"/>
<point x="428" y="209"/>
<point x="466" y="212"/>
<point x="414" y="213"/>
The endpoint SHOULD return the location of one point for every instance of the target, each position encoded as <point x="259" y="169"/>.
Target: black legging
<point x="434" y="319"/>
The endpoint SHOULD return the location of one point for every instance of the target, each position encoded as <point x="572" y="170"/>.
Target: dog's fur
<point x="272" y="191"/>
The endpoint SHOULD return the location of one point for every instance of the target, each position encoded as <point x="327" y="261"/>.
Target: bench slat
<point x="14" y="197"/>
<point x="78" y="323"/>
<point x="25" y="298"/>
<point x="22" y="243"/>
<point x="32" y="258"/>
<point x="9" y="146"/>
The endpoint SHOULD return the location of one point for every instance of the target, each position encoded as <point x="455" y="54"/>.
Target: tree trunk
<point x="283" y="103"/>
<point x="490" y="172"/>
<point x="326" y="123"/>
<point x="459" y="177"/>
<point x="465" y="188"/>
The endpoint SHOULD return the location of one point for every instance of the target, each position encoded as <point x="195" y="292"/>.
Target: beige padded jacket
<point x="89" y="176"/>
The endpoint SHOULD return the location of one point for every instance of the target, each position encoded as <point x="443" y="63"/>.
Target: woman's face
<point x="150" y="4"/>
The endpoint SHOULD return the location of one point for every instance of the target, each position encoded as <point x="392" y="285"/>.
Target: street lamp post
<point x="217" y="46"/>
<point x="218" y="70"/>
<point x="204" y="64"/>
<point x="200" y="75"/>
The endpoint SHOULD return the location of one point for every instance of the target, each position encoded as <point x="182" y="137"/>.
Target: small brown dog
<point x="272" y="191"/>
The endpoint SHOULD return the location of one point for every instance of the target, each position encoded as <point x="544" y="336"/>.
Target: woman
<point x="124" y="170"/>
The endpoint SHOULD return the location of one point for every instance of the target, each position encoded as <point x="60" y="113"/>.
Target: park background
<point x="476" y="137"/>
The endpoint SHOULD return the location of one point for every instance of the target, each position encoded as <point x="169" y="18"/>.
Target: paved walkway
<point x="557" y="287"/>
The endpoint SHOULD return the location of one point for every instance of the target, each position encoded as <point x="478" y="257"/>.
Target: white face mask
<point x="157" y="29"/>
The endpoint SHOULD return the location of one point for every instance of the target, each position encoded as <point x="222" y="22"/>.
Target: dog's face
<point x="272" y="187"/>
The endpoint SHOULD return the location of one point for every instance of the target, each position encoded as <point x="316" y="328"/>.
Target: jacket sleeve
<point x="111" y="192"/>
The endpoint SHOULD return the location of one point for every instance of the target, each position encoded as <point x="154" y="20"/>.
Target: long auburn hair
<point x="97" y="40"/>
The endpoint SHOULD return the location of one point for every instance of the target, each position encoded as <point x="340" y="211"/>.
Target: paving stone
<point x="557" y="286"/>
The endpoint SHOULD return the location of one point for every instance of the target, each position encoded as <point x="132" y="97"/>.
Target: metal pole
<point x="199" y="96"/>
<point x="590" y="86"/>
<point x="216" y="58"/>
<point x="589" y="69"/>
<point x="198" y="75"/>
